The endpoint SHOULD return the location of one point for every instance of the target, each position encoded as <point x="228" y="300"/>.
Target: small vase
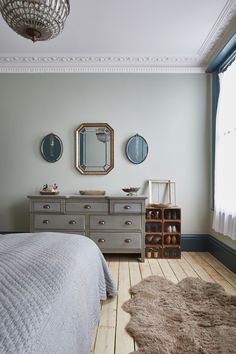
<point x="155" y="254"/>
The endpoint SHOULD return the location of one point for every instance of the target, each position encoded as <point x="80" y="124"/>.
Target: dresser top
<point x="78" y="196"/>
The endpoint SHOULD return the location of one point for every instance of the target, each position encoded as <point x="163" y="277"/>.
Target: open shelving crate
<point x="163" y="231"/>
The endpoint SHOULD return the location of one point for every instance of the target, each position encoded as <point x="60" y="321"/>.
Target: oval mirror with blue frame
<point x="136" y="149"/>
<point x="51" y="148"/>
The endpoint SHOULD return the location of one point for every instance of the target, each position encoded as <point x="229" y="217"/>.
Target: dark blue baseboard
<point x="224" y="253"/>
<point x="194" y="243"/>
<point x="208" y="243"/>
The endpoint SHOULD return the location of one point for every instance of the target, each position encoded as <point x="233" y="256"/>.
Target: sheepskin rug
<point x="191" y="317"/>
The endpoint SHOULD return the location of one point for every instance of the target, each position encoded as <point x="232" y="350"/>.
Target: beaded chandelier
<point x="38" y="20"/>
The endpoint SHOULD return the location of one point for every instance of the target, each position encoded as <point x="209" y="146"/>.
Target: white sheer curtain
<point x="224" y="220"/>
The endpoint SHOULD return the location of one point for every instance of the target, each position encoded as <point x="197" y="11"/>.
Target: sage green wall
<point x="170" y="110"/>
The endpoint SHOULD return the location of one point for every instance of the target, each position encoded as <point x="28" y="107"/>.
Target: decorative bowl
<point x="131" y="190"/>
<point x="92" y="192"/>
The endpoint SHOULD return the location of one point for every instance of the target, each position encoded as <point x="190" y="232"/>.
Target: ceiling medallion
<point x="38" y="20"/>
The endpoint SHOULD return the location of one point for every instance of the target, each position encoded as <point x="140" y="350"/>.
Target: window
<point x="224" y="220"/>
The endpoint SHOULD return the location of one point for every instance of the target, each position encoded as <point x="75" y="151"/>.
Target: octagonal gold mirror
<point x="94" y="152"/>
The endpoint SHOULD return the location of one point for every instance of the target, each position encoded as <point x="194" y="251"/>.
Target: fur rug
<point x="191" y="317"/>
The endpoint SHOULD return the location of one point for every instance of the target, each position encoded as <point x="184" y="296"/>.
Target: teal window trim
<point x="219" y="64"/>
<point x="224" y="58"/>
<point x="215" y="97"/>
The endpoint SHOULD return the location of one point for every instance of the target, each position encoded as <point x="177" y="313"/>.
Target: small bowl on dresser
<point x="131" y="190"/>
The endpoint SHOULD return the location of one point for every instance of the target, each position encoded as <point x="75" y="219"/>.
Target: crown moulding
<point x="221" y="31"/>
<point x="99" y="64"/>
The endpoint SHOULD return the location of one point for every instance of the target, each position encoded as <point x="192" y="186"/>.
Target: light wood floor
<point x="110" y="336"/>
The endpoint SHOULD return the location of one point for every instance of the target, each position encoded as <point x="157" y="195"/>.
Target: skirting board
<point x="208" y="243"/>
<point x="224" y="253"/>
<point x="205" y="243"/>
<point x="194" y="243"/>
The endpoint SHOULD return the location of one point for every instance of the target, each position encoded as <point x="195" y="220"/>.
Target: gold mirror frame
<point x="102" y="139"/>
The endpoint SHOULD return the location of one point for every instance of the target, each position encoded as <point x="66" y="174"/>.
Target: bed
<point x="51" y="285"/>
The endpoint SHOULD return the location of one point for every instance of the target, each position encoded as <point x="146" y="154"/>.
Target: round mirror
<point x="51" y="148"/>
<point x="136" y="149"/>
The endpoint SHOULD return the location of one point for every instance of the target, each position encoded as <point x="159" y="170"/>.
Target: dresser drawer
<point x="126" y="207"/>
<point x="64" y="222"/>
<point x="87" y="207"/>
<point x="116" y="240"/>
<point x="114" y="222"/>
<point x="46" y="206"/>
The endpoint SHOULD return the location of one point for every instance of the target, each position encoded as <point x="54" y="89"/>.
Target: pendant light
<point x="38" y="20"/>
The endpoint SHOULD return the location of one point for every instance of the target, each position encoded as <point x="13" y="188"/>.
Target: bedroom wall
<point x="170" y="110"/>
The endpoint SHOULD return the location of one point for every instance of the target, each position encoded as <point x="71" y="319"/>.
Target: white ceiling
<point x="126" y="36"/>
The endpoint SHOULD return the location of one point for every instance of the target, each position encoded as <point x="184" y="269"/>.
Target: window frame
<point x="219" y="64"/>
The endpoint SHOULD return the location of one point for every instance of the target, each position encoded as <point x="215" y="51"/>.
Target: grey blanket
<point x="51" y="285"/>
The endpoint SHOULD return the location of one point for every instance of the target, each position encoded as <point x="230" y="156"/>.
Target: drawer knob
<point x="128" y="240"/>
<point x="45" y="221"/>
<point x="101" y="240"/>
<point x="128" y="222"/>
<point x="87" y="206"/>
<point x="101" y="222"/>
<point x="46" y="206"/>
<point x="127" y="207"/>
<point x="72" y="222"/>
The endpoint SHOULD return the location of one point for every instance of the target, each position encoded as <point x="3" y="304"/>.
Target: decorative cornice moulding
<point x="222" y="30"/>
<point x="99" y="64"/>
<point x="218" y="34"/>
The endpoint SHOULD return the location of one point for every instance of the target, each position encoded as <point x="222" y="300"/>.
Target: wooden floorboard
<point x="177" y="269"/>
<point x="106" y="332"/>
<point x="155" y="267"/>
<point x="197" y="267"/>
<point x="135" y="274"/>
<point x="217" y="277"/>
<point x="145" y="269"/>
<point x="110" y="336"/>
<point x="220" y="268"/>
<point x="167" y="270"/>
<point x="124" y="343"/>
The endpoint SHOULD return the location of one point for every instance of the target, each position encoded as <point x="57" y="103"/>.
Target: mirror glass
<point x="51" y="148"/>
<point x="136" y="149"/>
<point x="94" y="148"/>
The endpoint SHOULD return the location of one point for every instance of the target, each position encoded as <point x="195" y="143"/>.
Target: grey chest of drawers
<point x="115" y="223"/>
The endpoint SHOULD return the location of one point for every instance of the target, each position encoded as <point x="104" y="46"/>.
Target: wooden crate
<point x="162" y="231"/>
